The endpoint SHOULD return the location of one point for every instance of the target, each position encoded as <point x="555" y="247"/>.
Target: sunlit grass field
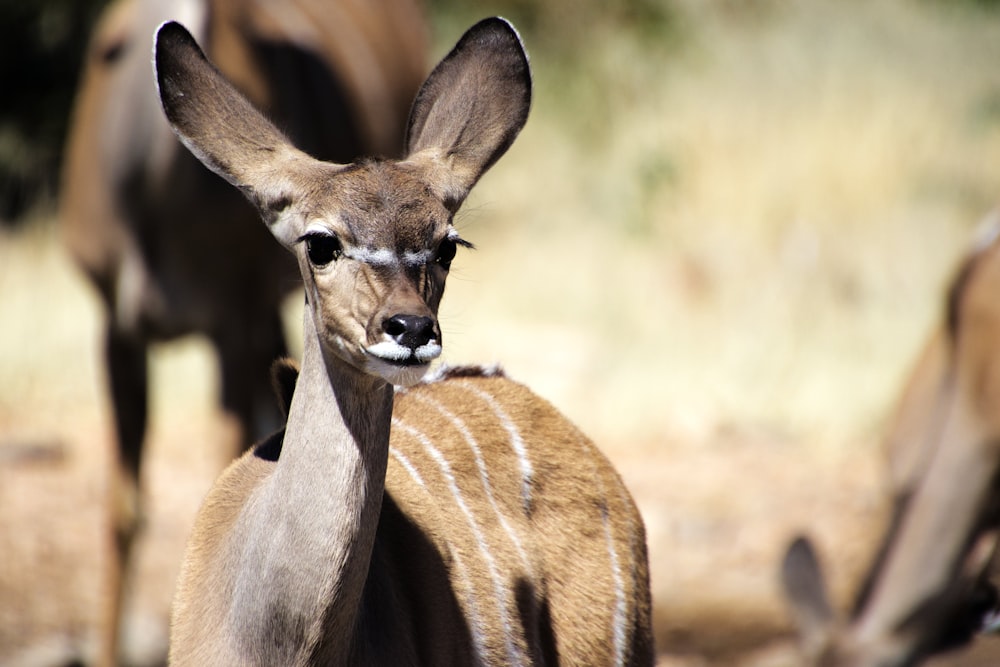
<point x="718" y="245"/>
<point x="751" y="219"/>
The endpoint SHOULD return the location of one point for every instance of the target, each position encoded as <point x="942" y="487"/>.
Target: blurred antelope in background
<point x="172" y="248"/>
<point x="485" y="529"/>
<point x="929" y="588"/>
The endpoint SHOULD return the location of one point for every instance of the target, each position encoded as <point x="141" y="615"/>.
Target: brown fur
<point x="170" y="247"/>
<point x="562" y="603"/>
<point x="928" y="588"/>
<point x="442" y="543"/>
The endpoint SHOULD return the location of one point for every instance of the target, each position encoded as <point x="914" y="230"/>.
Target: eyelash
<point x="447" y="249"/>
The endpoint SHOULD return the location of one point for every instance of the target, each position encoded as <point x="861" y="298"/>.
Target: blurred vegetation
<point x="760" y="199"/>
<point x="791" y="181"/>
<point x="41" y="53"/>
<point x="42" y="45"/>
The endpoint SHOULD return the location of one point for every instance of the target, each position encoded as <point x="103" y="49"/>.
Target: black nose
<point x="410" y="331"/>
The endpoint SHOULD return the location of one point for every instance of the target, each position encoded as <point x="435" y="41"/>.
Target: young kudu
<point x="928" y="589"/>
<point x="458" y="521"/>
<point x="171" y="247"/>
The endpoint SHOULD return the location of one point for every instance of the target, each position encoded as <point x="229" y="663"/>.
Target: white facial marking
<point x="393" y="373"/>
<point x="373" y="256"/>
<point x="390" y="351"/>
<point x="428" y="352"/>
<point x="388" y="258"/>
<point x="413" y="258"/>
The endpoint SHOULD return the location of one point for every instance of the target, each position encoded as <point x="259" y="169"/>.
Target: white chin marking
<point x="394" y="363"/>
<point x="429" y="352"/>
<point x="390" y="351"/>
<point x="402" y="376"/>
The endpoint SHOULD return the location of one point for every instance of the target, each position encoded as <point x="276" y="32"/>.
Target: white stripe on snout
<point x="527" y="470"/>
<point x="373" y="256"/>
<point x="515" y="655"/>
<point x="484" y="475"/>
<point x="385" y="257"/>
<point x="417" y="257"/>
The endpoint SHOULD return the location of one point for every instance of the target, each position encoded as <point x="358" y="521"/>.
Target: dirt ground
<point x="719" y="506"/>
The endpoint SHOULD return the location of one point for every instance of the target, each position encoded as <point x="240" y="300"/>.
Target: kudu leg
<point x="128" y="376"/>
<point x="245" y="357"/>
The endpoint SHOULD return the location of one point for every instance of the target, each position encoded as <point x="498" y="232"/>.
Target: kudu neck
<point x="330" y="390"/>
<point x="326" y="491"/>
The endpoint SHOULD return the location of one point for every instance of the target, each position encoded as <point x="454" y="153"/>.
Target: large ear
<point x="472" y="106"/>
<point x="806" y="594"/>
<point x="221" y="127"/>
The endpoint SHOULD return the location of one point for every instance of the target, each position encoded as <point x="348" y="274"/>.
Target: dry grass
<point x="717" y="251"/>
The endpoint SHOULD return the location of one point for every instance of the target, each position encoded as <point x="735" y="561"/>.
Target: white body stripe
<point x="620" y="616"/>
<point x="527" y="470"/>
<point x="515" y="655"/>
<point x="621" y="610"/>
<point x="484" y="475"/>
<point x="475" y="617"/>
<point x="405" y="462"/>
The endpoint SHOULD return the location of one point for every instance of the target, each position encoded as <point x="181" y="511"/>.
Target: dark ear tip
<point x="172" y="30"/>
<point x="495" y="31"/>
<point x="496" y="27"/>
<point x="171" y="35"/>
<point x="496" y="23"/>
<point x="173" y="44"/>
<point x="800" y="550"/>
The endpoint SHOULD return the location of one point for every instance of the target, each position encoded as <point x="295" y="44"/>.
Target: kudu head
<point x="375" y="239"/>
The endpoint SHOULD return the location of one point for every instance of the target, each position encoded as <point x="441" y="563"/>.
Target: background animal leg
<point x="245" y="356"/>
<point x="128" y="375"/>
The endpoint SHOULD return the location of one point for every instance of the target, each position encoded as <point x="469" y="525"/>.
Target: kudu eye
<point x="322" y="248"/>
<point x="446" y="253"/>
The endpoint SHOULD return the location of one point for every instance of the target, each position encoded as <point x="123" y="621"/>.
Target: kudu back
<point x="171" y="248"/>
<point x="928" y="589"/>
